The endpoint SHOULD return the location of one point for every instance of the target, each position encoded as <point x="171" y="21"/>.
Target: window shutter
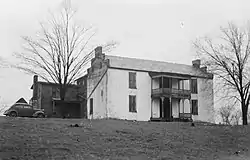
<point x="130" y="104"/>
<point x="134" y="80"/>
<point x="194" y="107"/>
<point x="130" y="80"/>
<point x="194" y="86"/>
<point x="134" y="104"/>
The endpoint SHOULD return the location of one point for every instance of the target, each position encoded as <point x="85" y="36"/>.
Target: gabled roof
<point x="21" y="100"/>
<point x="154" y="66"/>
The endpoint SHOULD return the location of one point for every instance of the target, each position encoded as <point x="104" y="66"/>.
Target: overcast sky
<point x="149" y="29"/>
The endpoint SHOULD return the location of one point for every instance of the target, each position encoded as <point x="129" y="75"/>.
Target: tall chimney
<point x="204" y="69"/>
<point x="196" y="63"/>
<point x="98" y="51"/>
<point x="35" y="80"/>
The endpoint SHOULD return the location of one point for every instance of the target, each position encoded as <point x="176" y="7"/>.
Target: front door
<point x="165" y="111"/>
<point x="166" y="108"/>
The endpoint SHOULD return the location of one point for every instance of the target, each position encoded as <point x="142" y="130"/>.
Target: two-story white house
<point x="138" y="89"/>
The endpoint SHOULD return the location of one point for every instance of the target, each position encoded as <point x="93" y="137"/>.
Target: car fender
<point x="37" y="112"/>
<point x="9" y="111"/>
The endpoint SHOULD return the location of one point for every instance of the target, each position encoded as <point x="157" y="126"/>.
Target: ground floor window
<point x="195" y="107"/>
<point x="91" y="106"/>
<point x="132" y="104"/>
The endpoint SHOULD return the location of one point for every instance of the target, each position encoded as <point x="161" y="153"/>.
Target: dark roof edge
<point x="50" y="83"/>
<point x="209" y="75"/>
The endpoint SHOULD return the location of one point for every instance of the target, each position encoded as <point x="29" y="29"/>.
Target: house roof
<point x="21" y="100"/>
<point x="51" y="84"/>
<point x="155" y="66"/>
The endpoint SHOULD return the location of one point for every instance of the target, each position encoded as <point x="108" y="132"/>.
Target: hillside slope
<point x="25" y="138"/>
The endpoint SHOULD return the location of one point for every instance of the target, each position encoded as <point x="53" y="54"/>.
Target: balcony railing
<point x="176" y="93"/>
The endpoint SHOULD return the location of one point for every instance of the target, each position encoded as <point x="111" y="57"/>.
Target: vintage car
<point x="24" y="110"/>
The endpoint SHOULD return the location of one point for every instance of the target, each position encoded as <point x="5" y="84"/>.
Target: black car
<point x="24" y="110"/>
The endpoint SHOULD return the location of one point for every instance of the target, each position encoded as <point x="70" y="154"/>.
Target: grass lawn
<point x="28" y="138"/>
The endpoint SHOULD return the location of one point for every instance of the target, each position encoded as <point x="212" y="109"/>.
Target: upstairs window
<point x="55" y="92"/>
<point x="132" y="104"/>
<point x="194" y="107"/>
<point x="132" y="80"/>
<point x="194" y="87"/>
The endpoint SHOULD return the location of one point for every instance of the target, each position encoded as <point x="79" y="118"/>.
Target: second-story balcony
<point x="171" y="92"/>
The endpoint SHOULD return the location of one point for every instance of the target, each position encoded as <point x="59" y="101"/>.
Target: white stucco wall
<point x="156" y="108"/>
<point x="118" y="95"/>
<point x="175" y="107"/>
<point x="99" y="99"/>
<point x="205" y="100"/>
<point x="97" y="89"/>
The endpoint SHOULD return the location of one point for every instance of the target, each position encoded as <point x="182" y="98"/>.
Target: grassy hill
<point x="26" y="138"/>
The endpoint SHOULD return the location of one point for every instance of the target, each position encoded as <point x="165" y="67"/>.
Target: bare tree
<point x="226" y="113"/>
<point x="228" y="59"/>
<point x="236" y="117"/>
<point x="59" y="52"/>
<point x="3" y="107"/>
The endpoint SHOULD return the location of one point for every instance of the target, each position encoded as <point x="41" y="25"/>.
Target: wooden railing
<point x="178" y="93"/>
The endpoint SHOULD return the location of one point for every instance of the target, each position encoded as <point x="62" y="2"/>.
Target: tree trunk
<point x="62" y="92"/>
<point x="244" y="114"/>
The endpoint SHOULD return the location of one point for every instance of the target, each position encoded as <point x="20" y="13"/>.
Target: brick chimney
<point x="196" y="63"/>
<point x="204" y="69"/>
<point x="35" y="80"/>
<point x="98" y="52"/>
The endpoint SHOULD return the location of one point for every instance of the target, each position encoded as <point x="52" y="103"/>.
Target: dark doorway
<point x="68" y="109"/>
<point x="165" y="111"/>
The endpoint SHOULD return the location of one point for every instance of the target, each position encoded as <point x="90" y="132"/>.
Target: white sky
<point x="145" y="29"/>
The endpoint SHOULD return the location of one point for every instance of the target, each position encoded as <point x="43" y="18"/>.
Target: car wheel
<point x="13" y="114"/>
<point x="40" y="115"/>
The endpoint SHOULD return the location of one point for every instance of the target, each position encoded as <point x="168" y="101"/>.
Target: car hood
<point x="6" y="111"/>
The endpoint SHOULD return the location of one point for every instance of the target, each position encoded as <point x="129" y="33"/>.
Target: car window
<point x="27" y="107"/>
<point x="19" y="106"/>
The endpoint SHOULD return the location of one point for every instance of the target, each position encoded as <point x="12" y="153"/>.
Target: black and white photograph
<point x="124" y="80"/>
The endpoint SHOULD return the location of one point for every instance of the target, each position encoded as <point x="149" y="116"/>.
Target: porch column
<point x="190" y="102"/>
<point x="179" y="101"/>
<point x="183" y="105"/>
<point x="162" y="82"/>
<point x="162" y="105"/>
<point x="151" y="107"/>
<point x="170" y="100"/>
<point x="183" y="85"/>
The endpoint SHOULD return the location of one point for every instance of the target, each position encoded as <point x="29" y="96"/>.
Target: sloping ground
<point x="25" y="138"/>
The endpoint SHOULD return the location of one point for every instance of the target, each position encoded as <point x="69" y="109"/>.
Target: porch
<point x="171" y="98"/>
<point x="170" y="109"/>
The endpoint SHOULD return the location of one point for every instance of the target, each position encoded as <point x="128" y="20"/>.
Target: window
<point x="194" y="86"/>
<point x="132" y="104"/>
<point x="132" y="80"/>
<point x="27" y="107"/>
<point x="55" y="92"/>
<point x="18" y="106"/>
<point x="195" y="107"/>
<point x="91" y="106"/>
